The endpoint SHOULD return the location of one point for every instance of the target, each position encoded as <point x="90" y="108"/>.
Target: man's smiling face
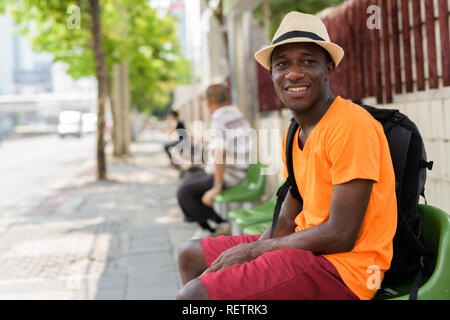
<point x="300" y="72"/>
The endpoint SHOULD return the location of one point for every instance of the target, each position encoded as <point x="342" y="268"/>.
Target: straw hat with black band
<point x="300" y="27"/>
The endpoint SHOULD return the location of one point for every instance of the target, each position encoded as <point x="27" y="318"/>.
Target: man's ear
<point x="330" y="69"/>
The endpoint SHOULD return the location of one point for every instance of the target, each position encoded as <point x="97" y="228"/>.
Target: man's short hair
<point x="217" y="94"/>
<point x="173" y="113"/>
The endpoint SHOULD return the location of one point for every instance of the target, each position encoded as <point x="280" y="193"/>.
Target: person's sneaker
<point x="223" y="228"/>
<point x="201" y="233"/>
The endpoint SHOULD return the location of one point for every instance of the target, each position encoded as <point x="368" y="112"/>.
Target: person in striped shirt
<point x="227" y="160"/>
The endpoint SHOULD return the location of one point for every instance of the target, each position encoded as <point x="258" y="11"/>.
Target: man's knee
<point x="186" y="187"/>
<point x="167" y="147"/>
<point x="182" y="192"/>
<point x="190" y="256"/>
<point x="193" y="290"/>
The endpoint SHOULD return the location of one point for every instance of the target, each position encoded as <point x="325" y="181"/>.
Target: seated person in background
<point x="175" y="123"/>
<point x="228" y="125"/>
<point x="344" y="173"/>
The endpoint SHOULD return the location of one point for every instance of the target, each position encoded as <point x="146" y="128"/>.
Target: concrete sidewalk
<point x="100" y="240"/>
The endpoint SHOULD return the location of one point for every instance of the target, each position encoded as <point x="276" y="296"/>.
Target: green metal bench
<point x="248" y="191"/>
<point x="436" y="236"/>
<point x="245" y="217"/>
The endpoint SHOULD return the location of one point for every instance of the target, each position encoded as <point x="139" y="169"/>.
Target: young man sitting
<point x="344" y="173"/>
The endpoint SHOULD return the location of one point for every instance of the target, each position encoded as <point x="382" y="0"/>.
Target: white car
<point x="70" y="123"/>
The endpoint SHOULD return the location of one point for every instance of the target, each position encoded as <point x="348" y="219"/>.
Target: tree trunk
<point x="125" y="90"/>
<point x="121" y="112"/>
<point x="221" y="18"/>
<point x="100" y="70"/>
<point x="121" y="99"/>
<point x="124" y="95"/>
<point x="114" y="95"/>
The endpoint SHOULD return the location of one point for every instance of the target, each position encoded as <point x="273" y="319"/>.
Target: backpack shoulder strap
<point x="290" y="183"/>
<point x="281" y="195"/>
<point x="291" y="136"/>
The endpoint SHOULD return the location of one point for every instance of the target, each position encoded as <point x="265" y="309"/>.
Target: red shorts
<point x="285" y="274"/>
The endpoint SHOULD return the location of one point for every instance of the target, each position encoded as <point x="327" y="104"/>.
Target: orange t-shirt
<point x="346" y="144"/>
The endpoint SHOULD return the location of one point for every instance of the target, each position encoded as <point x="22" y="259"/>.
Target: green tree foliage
<point x="132" y="32"/>
<point x="279" y="8"/>
<point x="156" y="65"/>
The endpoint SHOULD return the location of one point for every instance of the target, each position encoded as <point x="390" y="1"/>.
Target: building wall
<point x="6" y="56"/>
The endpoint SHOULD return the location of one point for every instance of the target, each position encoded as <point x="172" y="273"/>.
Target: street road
<point x="31" y="167"/>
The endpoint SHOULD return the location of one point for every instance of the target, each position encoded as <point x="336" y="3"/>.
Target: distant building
<point x="23" y="71"/>
<point x="32" y="87"/>
<point x="178" y="9"/>
<point x="6" y="56"/>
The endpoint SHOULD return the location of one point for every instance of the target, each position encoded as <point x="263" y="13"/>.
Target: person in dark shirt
<point x="174" y="118"/>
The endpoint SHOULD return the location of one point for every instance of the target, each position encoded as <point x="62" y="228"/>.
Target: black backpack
<point x="411" y="258"/>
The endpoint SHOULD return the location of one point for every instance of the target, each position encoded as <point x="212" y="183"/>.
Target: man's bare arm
<point x="219" y="166"/>
<point x="338" y="234"/>
<point x="219" y="170"/>
<point x="285" y="225"/>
